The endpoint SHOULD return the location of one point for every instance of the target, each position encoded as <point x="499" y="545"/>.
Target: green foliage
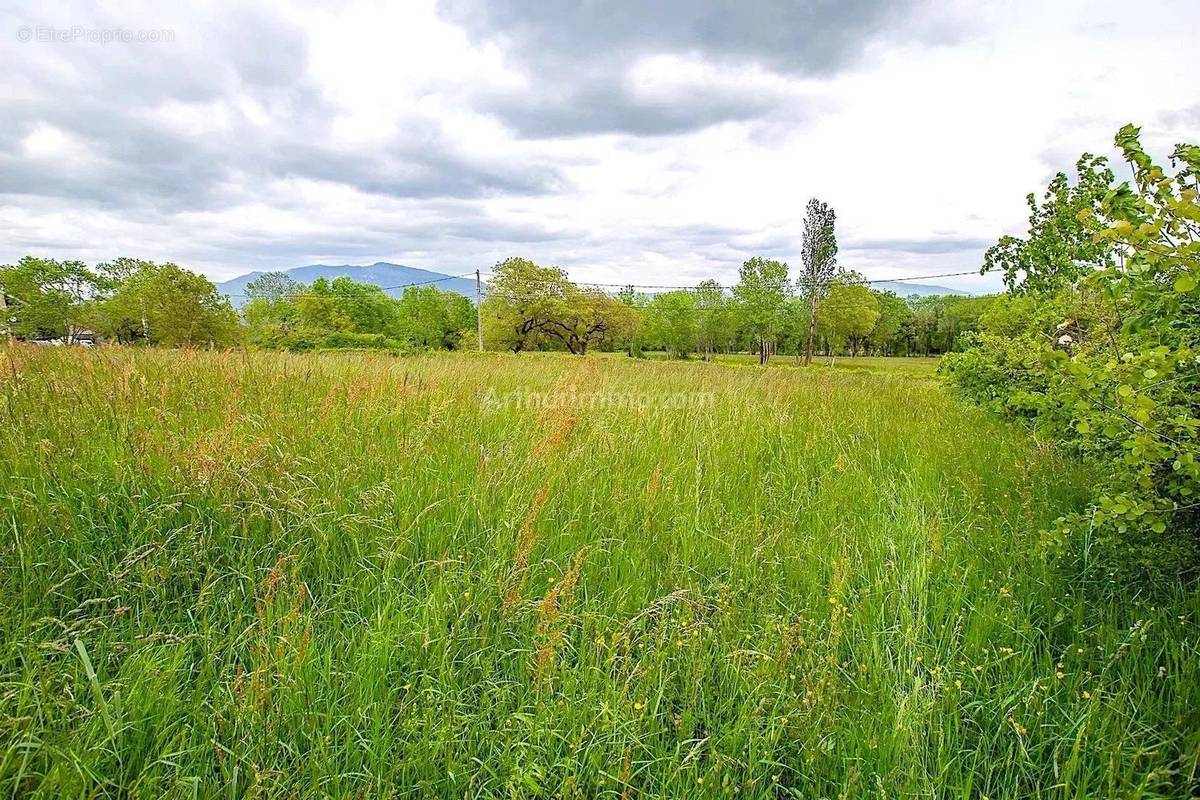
<point x="1117" y="379"/>
<point x="761" y="292"/>
<point x="937" y="324"/>
<point x="126" y="300"/>
<point x="271" y="312"/>
<point x="633" y="342"/>
<point x="428" y="317"/>
<point x="1058" y="251"/>
<point x="274" y="287"/>
<point x="532" y="307"/>
<point x="588" y="317"/>
<point x="671" y="322"/>
<point x="895" y="317"/>
<point x="343" y="314"/>
<point x="521" y="299"/>
<point x="796" y="316"/>
<point x="47" y="298"/>
<point x="847" y="314"/>
<point x="716" y="324"/>
<point x="819" y="250"/>
<point x="166" y="304"/>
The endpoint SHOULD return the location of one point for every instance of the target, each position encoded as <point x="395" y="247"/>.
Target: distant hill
<point x="907" y="288"/>
<point x="391" y="277"/>
<point x="394" y="277"/>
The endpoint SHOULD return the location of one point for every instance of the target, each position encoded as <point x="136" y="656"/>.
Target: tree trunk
<point x="812" y="325"/>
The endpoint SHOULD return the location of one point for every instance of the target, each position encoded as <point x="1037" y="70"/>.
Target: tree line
<point x="534" y="307"/>
<point x="823" y="309"/>
<point x="132" y="301"/>
<point x="126" y="300"/>
<point x="527" y="307"/>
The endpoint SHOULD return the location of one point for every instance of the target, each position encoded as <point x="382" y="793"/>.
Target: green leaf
<point x="1185" y="283"/>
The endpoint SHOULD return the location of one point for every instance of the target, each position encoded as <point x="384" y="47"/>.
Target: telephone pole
<point x="4" y="315"/>
<point x="478" y="311"/>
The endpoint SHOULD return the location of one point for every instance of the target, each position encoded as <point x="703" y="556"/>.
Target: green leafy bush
<point x="998" y="371"/>
<point x="1117" y="379"/>
<point x="344" y="340"/>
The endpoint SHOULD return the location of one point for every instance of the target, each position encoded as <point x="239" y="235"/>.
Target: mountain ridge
<point x="392" y="278"/>
<point x="906" y="288"/>
<point x="395" y="278"/>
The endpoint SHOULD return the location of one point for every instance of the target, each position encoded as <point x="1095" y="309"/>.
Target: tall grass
<point x="347" y="575"/>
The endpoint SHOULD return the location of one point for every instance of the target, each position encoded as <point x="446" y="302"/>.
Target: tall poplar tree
<point x="818" y="256"/>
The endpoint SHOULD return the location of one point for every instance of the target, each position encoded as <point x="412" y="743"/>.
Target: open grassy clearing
<point x="487" y="575"/>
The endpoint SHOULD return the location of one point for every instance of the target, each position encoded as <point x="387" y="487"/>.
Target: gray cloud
<point x="606" y="106"/>
<point x="813" y="37"/>
<point x="578" y="54"/>
<point x="202" y="150"/>
<point x="111" y="101"/>
<point x="940" y="245"/>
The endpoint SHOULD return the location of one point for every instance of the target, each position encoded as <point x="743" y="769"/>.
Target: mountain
<point x="906" y="288"/>
<point x="392" y="277"/>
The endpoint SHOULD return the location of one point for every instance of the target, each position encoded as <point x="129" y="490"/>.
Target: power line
<point x="797" y="282"/>
<point x="654" y="286"/>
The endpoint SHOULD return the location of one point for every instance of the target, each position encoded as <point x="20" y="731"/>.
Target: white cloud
<point x="403" y="132"/>
<point x="56" y="147"/>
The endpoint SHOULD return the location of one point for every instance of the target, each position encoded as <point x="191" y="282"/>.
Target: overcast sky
<point x="659" y="142"/>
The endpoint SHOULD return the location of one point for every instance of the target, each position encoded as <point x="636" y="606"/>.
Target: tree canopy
<point x="761" y="291"/>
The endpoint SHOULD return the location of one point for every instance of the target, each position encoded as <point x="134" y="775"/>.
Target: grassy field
<point x="343" y="575"/>
<point x="916" y="366"/>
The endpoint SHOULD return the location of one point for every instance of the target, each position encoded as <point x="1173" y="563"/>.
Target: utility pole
<point x="4" y="314"/>
<point x="478" y="311"/>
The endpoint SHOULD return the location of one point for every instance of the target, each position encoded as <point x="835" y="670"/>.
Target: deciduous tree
<point x="715" y="318"/>
<point x="818" y="255"/>
<point x="847" y="314"/>
<point x="761" y="291"/>
<point x="48" y="298"/>
<point x="671" y="321"/>
<point x="174" y="306"/>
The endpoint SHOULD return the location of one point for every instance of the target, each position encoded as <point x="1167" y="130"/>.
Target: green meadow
<point x="484" y="575"/>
